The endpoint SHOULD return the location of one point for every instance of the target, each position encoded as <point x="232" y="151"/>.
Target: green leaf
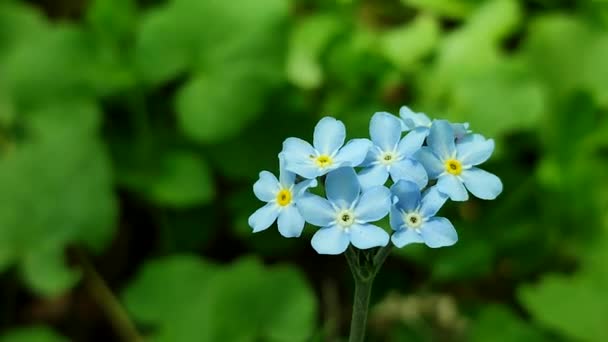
<point x="233" y="58"/>
<point x="207" y="110"/>
<point x="494" y="318"/>
<point x="20" y="23"/>
<point x="57" y="189"/>
<point x="448" y="8"/>
<point x="184" y="179"/>
<point x="270" y="304"/>
<point x="405" y="46"/>
<point x="307" y="42"/>
<point x="568" y="54"/>
<point x="112" y="19"/>
<point x="45" y="271"/>
<point x="32" y="334"/>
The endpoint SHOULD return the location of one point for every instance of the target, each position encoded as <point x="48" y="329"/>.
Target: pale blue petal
<point x="408" y="195"/>
<point x="329" y="135"/>
<point x="441" y="139"/>
<point x="404" y="237"/>
<point x="316" y="210"/>
<point x="409" y="169"/>
<point x="287" y="178"/>
<point x="296" y="148"/>
<point x="481" y="183"/>
<point x="299" y="158"/>
<point x="353" y="153"/>
<point x="373" y="204"/>
<point x="433" y="166"/>
<point x="432" y="201"/>
<point x="412" y="142"/>
<point x="300" y="188"/>
<point x="290" y="222"/>
<point x="452" y="186"/>
<point x="385" y="131"/>
<point x="413" y="120"/>
<point x="264" y="217"/>
<point x="330" y="240"/>
<point x="371" y="157"/>
<point x="373" y="176"/>
<point x="460" y="130"/>
<point x="474" y="149"/>
<point x="364" y="236"/>
<point x="266" y="187"/>
<point x="438" y="232"/>
<point x="396" y="219"/>
<point x="305" y="168"/>
<point x="342" y="187"/>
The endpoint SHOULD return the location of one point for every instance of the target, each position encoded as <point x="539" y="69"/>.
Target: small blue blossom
<point x="413" y="217"/>
<point x="421" y="123"/>
<point x="327" y="153"/>
<point x="282" y="197"/>
<point x="391" y="154"/>
<point x="453" y="164"/>
<point x="345" y="214"/>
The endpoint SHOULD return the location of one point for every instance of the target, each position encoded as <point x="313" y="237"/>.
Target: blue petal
<point x="330" y="240"/>
<point x="432" y="201"/>
<point x="300" y="188"/>
<point x="474" y="149"/>
<point x="373" y="204"/>
<point x="396" y="219"/>
<point x="452" y="186"/>
<point x="413" y="120"/>
<point x="438" y="232"/>
<point x="460" y="130"/>
<point x="342" y="187"/>
<point x="290" y="222"/>
<point x="481" y="183"/>
<point x="373" y="176"/>
<point x="266" y="188"/>
<point x="316" y="210"/>
<point x="385" y="131"/>
<point x="364" y="236"/>
<point x="264" y="217"/>
<point x="412" y="142"/>
<point x="298" y="156"/>
<point x="409" y="169"/>
<point x="287" y="178"/>
<point x="404" y="237"/>
<point x="441" y="139"/>
<point x="354" y="153"/>
<point x="329" y="135"/>
<point x="372" y="157"/>
<point x="407" y="193"/>
<point x="433" y="166"/>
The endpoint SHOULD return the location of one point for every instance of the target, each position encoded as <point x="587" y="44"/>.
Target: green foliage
<point x="31" y="334"/>
<point x="135" y="130"/>
<point x="242" y="302"/>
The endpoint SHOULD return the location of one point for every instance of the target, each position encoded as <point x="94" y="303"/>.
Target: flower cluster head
<point x="425" y="162"/>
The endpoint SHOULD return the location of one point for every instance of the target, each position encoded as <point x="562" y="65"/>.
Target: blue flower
<point x="327" y="153"/>
<point x="413" y="217"/>
<point x="421" y="123"/>
<point x="453" y="165"/>
<point x="281" y="197"/>
<point x="345" y="214"/>
<point x="391" y="154"/>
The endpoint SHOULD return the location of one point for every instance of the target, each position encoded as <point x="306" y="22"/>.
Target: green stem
<point x="104" y="297"/>
<point x="364" y="266"/>
<point x="363" y="290"/>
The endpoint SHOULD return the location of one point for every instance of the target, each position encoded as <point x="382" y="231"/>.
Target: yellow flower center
<point x="453" y="166"/>
<point x="284" y="197"/>
<point x="323" y="161"/>
<point x="387" y="158"/>
<point x="345" y="218"/>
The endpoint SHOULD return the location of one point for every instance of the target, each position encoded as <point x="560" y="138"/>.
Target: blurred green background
<point x="131" y="133"/>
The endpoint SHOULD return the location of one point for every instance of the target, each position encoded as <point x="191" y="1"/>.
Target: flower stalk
<point x="364" y="265"/>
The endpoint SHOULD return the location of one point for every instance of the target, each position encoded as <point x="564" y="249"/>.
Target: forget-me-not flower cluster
<point x="406" y="176"/>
